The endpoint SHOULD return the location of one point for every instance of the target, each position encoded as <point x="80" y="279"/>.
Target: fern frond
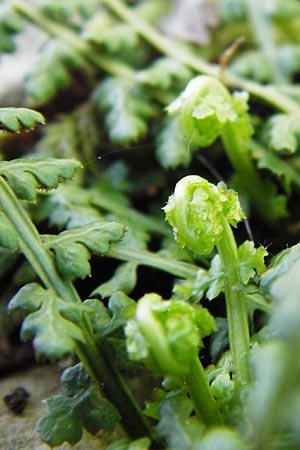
<point x="70" y="9"/>
<point x="126" y="109"/>
<point x="72" y="248"/>
<point x="26" y="175"/>
<point x="19" y="119"/>
<point x="52" y="70"/>
<point x="74" y="135"/>
<point x="172" y="146"/>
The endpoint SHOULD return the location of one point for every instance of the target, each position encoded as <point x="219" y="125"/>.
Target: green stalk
<point x="252" y="184"/>
<point x="200" y="392"/>
<point x="94" y="360"/>
<point x="31" y="245"/>
<point x="237" y="317"/>
<point x="180" y="269"/>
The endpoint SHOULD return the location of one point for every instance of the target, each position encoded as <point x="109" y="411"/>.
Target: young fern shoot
<point x="206" y="111"/>
<point x="166" y="335"/>
<point x="201" y="215"/>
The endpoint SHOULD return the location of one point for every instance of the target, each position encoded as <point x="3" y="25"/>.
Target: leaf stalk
<point x="238" y="328"/>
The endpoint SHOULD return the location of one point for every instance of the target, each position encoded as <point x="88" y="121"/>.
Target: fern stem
<point x="237" y="317"/>
<point x="31" y="245"/>
<point x="200" y="392"/>
<point x="180" y="269"/>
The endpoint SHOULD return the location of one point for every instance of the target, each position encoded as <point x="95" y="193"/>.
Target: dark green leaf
<point x="106" y="322"/>
<point x="69" y="9"/>
<point x="80" y="406"/>
<point x="283" y="169"/>
<point x="8" y="236"/>
<point x="124" y="279"/>
<point x="72" y="248"/>
<point x="51" y="321"/>
<point x="69" y="207"/>
<point x="26" y="175"/>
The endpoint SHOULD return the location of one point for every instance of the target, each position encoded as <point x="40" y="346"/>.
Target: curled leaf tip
<point x="204" y="107"/>
<point x="197" y="211"/>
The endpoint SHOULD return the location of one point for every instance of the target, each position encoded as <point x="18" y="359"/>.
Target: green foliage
<point x="282" y="132"/>
<point x="124" y="279"/>
<point x="167" y="335"/>
<point x="172" y="146"/>
<point x="126" y="107"/>
<point x="19" y="119"/>
<point x="204" y="108"/>
<point x="80" y="406"/>
<point x="163" y="73"/>
<point x="104" y="80"/>
<point x="70" y="8"/>
<point x="108" y="321"/>
<point x="26" y="175"/>
<point x="72" y="248"/>
<point x="179" y="429"/>
<point x="50" y="321"/>
<point x="52" y="70"/>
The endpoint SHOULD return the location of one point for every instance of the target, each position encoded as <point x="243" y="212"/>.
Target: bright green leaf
<point x="251" y="260"/>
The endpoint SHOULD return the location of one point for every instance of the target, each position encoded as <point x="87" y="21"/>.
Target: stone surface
<point x="17" y="432"/>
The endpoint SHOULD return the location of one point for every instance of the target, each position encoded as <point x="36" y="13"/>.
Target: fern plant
<point x="131" y="112"/>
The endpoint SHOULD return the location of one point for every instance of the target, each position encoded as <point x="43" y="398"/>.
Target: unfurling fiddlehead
<point x="201" y="215"/>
